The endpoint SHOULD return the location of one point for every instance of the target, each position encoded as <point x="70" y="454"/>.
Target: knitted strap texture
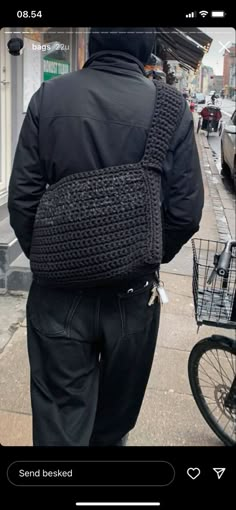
<point x="102" y="225"/>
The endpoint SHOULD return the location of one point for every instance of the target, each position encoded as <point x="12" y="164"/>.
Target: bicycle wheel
<point x="199" y="125"/>
<point x="212" y="373"/>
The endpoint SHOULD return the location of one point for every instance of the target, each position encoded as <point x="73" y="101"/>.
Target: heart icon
<point x="193" y="472"/>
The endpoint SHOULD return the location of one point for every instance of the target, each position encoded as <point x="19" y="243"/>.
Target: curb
<point x="214" y="181"/>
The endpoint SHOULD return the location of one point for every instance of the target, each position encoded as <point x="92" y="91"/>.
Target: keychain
<point x="158" y="291"/>
<point x="162" y="294"/>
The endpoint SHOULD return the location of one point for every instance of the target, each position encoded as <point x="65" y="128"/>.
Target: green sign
<point x="53" y="68"/>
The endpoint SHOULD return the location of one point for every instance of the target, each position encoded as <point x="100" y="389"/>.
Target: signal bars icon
<point x="191" y="15"/>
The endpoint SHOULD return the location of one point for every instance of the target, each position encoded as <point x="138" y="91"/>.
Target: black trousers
<point x="90" y="354"/>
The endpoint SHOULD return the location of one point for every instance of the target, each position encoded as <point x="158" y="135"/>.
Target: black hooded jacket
<point x="99" y="117"/>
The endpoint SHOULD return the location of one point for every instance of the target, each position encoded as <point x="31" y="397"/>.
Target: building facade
<point x="218" y="83"/>
<point x="229" y="78"/>
<point x="47" y="53"/>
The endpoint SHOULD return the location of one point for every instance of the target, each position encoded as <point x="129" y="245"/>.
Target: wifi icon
<point x="203" y="13"/>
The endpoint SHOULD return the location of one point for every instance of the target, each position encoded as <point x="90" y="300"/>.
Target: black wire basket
<point x="214" y="302"/>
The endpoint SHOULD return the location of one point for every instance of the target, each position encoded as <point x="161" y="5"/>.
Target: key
<point x="154" y="295"/>
<point x="162" y="294"/>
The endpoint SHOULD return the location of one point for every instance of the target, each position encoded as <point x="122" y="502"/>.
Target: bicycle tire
<point x="208" y="344"/>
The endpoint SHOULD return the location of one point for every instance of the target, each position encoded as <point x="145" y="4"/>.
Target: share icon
<point x="219" y="472"/>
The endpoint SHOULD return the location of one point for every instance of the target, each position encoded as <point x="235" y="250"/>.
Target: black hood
<point x="138" y="42"/>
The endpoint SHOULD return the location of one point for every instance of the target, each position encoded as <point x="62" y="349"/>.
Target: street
<point x="227" y="109"/>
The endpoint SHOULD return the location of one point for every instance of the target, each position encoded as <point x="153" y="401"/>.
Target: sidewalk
<point x="169" y="415"/>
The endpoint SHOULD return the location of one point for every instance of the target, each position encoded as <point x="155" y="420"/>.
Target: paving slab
<point x="12" y="313"/>
<point x="15" y="429"/>
<point x="171" y="419"/>
<point x="175" y="362"/>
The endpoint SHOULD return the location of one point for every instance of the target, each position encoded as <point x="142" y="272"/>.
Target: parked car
<point x="200" y="98"/>
<point x="228" y="149"/>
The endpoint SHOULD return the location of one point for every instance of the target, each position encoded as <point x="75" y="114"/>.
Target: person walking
<point x="213" y="98"/>
<point x="192" y="106"/>
<point x="106" y="185"/>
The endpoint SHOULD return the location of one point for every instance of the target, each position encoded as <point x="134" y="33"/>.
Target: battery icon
<point x="217" y="14"/>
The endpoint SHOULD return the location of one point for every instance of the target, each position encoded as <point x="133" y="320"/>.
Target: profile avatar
<point x="15" y="46"/>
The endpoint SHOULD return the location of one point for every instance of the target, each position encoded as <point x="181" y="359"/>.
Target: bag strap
<point x="169" y="106"/>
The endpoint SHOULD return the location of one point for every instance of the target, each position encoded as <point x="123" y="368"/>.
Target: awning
<point x="186" y="45"/>
<point x="197" y="34"/>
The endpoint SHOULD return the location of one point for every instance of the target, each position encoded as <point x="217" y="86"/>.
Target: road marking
<point x="226" y="113"/>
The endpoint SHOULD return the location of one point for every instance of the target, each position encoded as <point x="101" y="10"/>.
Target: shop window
<point x="57" y="52"/>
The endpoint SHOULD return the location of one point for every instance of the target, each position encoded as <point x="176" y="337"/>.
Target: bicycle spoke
<point x="214" y="402"/>
<point x="220" y="368"/>
<point x="209" y="398"/>
<point x="232" y="431"/>
<point x="201" y="378"/>
<point x="216" y="407"/>
<point x="229" y="420"/>
<point x="209" y="362"/>
<point x="232" y="360"/>
<point x="204" y="385"/>
<point x="209" y="377"/>
<point x="217" y="421"/>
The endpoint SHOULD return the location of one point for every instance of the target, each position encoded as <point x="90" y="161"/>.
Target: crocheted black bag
<point x="102" y="225"/>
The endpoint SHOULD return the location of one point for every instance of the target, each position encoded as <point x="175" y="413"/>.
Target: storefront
<point x="5" y="117"/>
<point x="48" y="53"/>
